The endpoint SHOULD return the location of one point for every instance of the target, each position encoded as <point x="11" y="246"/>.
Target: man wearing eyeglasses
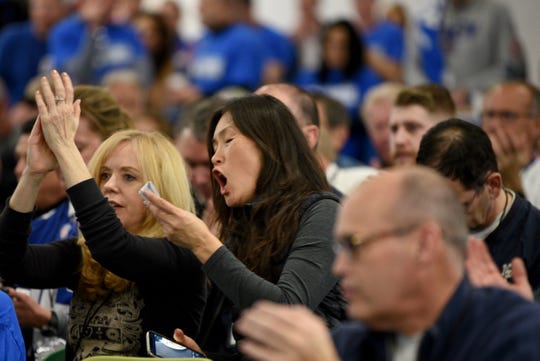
<point x="511" y="117"/>
<point x="509" y="224"/>
<point x="402" y="238"/>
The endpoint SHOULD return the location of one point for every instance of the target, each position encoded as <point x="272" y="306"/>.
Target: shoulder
<point x="15" y="30"/>
<point x="525" y="210"/>
<point x="504" y="309"/>
<point x="390" y="28"/>
<point x="318" y="213"/>
<point x="352" y="340"/>
<point x="241" y="32"/>
<point x="504" y="326"/>
<point x="5" y="304"/>
<point x="122" y="31"/>
<point x="306" y="77"/>
<point x="323" y="200"/>
<point x="70" y="23"/>
<point x="350" y="329"/>
<point x="71" y="28"/>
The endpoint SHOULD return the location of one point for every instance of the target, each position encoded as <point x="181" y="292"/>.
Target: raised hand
<point x="58" y="112"/>
<point x="59" y="115"/>
<point x="39" y="158"/>
<point x="513" y="153"/>
<point x="483" y="272"/>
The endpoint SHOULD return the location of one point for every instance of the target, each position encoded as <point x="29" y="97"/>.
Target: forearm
<point x="24" y="197"/>
<point x="72" y="165"/>
<point x="385" y="67"/>
<point x="306" y="277"/>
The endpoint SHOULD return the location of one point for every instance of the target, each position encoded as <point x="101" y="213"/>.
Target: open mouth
<point x="114" y="205"/>
<point x="220" y="179"/>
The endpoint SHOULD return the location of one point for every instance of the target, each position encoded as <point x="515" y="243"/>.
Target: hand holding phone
<point x="160" y="346"/>
<point x="148" y="186"/>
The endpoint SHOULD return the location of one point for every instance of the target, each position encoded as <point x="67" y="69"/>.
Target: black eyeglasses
<point x="353" y="241"/>
<point x="504" y="115"/>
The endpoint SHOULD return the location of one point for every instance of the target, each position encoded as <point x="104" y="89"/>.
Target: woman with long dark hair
<point x="275" y="216"/>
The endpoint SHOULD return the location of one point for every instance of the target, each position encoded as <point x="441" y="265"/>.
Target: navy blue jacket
<point x="518" y="235"/>
<point x="477" y="324"/>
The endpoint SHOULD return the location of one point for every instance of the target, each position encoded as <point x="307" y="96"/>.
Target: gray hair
<point x="426" y="195"/>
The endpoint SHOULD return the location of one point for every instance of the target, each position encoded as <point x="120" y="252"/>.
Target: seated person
<point x="462" y="153"/>
<point x="401" y="259"/>
<point x="114" y="302"/>
<point x="276" y="214"/>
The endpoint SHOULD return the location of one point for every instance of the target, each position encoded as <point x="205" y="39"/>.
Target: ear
<point x="429" y="243"/>
<point x="339" y="136"/>
<point x="311" y="132"/>
<point x="494" y="184"/>
<point x="536" y="121"/>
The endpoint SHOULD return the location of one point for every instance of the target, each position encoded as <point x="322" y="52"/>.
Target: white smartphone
<point x="160" y="346"/>
<point x="148" y="186"/>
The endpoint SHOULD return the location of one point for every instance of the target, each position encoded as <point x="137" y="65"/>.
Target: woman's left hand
<point x="183" y="228"/>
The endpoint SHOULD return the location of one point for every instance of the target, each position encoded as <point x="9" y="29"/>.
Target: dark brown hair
<point x="259" y="233"/>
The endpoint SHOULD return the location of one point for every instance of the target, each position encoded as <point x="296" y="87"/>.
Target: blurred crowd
<point x="278" y="160"/>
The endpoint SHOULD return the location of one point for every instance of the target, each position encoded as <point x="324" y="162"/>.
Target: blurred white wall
<point x="283" y="14"/>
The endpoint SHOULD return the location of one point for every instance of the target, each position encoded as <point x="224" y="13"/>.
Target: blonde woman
<point x="127" y="278"/>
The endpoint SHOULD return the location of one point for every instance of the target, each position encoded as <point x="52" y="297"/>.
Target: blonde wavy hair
<point x="161" y="163"/>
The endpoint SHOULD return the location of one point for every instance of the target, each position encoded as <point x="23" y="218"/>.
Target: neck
<point x="502" y="204"/>
<point x="430" y="302"/>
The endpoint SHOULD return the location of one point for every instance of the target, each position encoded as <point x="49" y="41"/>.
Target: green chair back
<point x="132" y="358"/>
<point x="59" y="355"/>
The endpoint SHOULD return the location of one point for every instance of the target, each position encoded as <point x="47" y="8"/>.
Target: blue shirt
<point x="58" y="223"/>
<point x="233" y="56"/>
<point x="349" y="91"/>
<point x="279" y="48"/>
<point x="11" y="340"/>
<point x="388" y="39"/>
<point x="89" y="58"/>
<point x="20" y="55"/>
<point x="477" y="324"/>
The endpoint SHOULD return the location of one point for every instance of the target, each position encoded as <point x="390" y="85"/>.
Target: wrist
<point x="204" y="250"/>
<point x="51" y="326"/>
<point x="34" y="176"/>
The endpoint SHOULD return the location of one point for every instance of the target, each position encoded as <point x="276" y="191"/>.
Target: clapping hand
<point x="58" y="112"/>
<point x="483" y="272"/>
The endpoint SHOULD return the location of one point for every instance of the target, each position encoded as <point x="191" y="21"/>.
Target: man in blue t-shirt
<point x="229" y="54"/>
<point x="88" y="45"/>
<point x="385" y="43"/>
